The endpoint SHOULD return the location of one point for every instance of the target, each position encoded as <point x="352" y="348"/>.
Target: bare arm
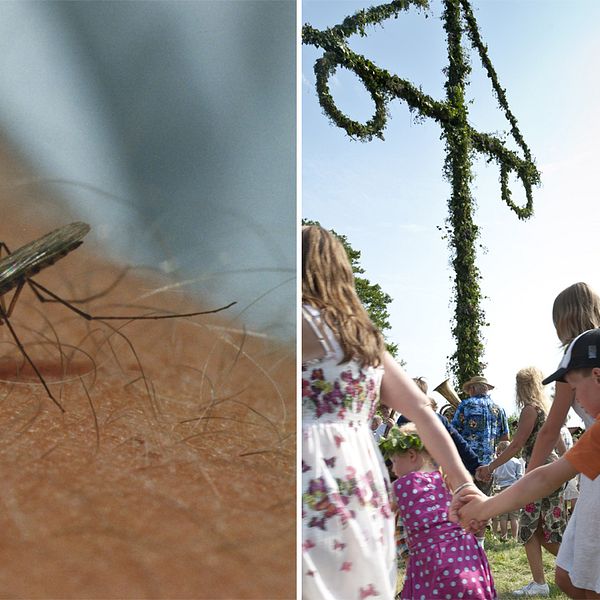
<point x="549" y="433"/>
<point x="560" y="447"/>
<point x="311" y="346"/>
<point x="401" y="393"/>
<point x="525" y="427"/>
<point x="536" y="484"/>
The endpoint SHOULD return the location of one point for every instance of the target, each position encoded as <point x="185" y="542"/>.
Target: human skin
<point x="526" y="424"/>
<point x="588" y="394"/>
<point x="470" y="510"/>
<point x="549" y="433"/>
<point x="407" y="462"/>
<point x="171" y="473"/>
<point x="400" y="392"/>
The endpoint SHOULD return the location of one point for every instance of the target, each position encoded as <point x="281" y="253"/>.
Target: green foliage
<point x="461" y="230"/>
<point x="510" y="568"/>
<point x="373" y="298"/>
<point x="397" y="442"/>
<point x="513" y="423"/>
<point x="460" y="138"/>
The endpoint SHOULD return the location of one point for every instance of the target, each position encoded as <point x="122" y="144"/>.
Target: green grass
<point x="510" y="568"/>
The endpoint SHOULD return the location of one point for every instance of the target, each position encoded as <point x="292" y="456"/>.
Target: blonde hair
<point x="502" y="446"/>
<point x="421" y="384"/>
<point x="529" y="389"/>
<point x="575" y="310"/>
<point x="424" y="387"/>
<point x="411" y="429"/>
<point x="328" y="284"/>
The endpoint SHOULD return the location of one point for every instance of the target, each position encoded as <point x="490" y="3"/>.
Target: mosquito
<point x="17" y="269"/>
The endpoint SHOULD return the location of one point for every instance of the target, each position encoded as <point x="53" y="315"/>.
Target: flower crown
<point x="398" y="442"/>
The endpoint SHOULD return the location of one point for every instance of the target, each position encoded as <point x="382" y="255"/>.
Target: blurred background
<point x="170" y="128"/>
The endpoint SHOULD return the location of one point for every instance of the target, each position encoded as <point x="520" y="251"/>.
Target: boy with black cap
<point x="580" y="368"/>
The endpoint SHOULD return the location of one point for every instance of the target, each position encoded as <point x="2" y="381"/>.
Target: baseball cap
<point x="582" y="353"/>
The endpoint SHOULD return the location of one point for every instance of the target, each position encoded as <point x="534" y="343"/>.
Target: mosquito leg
<point x="95" y="296"/>
<point x="4" y="247"/>
<point x="37" y="294"/>
<point x="37" y="372"/>
<point x="13" y="300"/>
<point x="55" y="298"/>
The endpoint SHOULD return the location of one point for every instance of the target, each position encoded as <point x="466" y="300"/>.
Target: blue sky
<point x="390" y="197"/>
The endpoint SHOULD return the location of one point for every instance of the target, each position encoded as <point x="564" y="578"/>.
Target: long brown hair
<point x="530" y="391"/>
<point x="576" y="309"/>
<point x="328" y="284"/>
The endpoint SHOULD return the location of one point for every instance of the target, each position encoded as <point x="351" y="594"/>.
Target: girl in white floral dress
<point x="348" y="549"/>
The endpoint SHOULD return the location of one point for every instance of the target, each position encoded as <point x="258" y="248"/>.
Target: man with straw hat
<point x="483" y="424"/>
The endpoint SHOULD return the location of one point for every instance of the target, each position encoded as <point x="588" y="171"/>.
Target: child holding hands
<point x="580" y="368"/>
<point x="444" y="560"/>
<point x="504" y="476"/>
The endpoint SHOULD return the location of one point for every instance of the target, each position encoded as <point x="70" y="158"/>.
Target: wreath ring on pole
<point x="325" y="67"/>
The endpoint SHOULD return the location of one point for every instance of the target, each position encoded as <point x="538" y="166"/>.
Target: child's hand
<point x="468" y="495"/>
<point x="470" y="513"/>
<point x="483" y="473"/>
<point x="460" y="498"/>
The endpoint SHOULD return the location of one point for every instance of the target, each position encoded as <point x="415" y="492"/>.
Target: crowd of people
<point x="449" y="478"/>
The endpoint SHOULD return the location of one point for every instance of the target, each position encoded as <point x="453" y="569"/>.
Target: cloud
<point x="306" y="83"/>
<point x="577" y="160"/>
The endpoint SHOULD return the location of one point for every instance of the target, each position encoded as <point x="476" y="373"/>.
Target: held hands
<point x="483" y="473"/>
<point x="465" y="508"/>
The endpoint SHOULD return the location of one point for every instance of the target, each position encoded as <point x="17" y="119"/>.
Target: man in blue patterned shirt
<point x="483" y="424"/>
<point x="480" y="420"/>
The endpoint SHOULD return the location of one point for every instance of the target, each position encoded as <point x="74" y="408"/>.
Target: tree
<point x="513" y="424"/>
<point x="373" y="298"/>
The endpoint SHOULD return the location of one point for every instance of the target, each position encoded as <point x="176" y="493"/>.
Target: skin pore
<point x="172" y="472"/>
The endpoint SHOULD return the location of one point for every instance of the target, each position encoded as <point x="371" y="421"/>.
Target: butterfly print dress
<point x="348" y="550"/>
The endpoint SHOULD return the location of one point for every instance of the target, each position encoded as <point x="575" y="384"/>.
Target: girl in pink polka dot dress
<point x="444" y="561"/>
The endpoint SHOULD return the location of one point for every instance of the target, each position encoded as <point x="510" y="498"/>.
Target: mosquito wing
<point x="39" y="254"/>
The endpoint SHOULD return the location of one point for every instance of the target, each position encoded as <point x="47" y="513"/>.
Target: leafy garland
<point x="460" y="138"/>
<point x="397" y="442"/>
